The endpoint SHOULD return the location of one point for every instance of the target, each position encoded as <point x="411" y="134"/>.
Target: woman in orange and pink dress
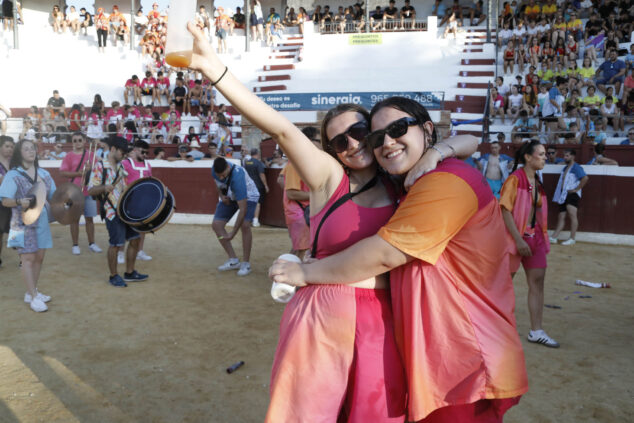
<point x="451" y="289"/>
<point x="525" y="212"/>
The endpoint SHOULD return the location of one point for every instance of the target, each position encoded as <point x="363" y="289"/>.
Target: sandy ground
<point x="157" y="351"/>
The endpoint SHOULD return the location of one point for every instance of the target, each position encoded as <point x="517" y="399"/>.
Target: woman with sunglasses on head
<point x="451" y="290"/>
<point x="336" y="358"/>
<point x="525" y="212"/>
<point x="32" y="240"/>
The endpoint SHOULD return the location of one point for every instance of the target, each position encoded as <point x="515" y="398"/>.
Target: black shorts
<point x="5" y="219"/>
<point x="572" y="199"/>
<point x="550" y="119"/>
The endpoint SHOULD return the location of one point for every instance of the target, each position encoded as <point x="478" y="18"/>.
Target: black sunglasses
<point x="358" y="131"/>
<point x="396" y="129"/>
<point x="144" y="152"/>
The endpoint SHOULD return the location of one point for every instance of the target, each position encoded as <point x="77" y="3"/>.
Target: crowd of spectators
<point x="208" y="135"/>
<point x="574" y="80"/>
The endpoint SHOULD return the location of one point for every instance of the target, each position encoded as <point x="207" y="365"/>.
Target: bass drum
<point x="146" y="205"/>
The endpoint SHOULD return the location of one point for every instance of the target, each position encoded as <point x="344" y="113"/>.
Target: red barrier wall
<point x="607" y="205"/>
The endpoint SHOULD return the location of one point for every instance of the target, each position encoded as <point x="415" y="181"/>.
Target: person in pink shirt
<point x="137" y="167"/>
<point x="163" y="87"/>
<point x="148" y="87"/>
<point x="115" y="115"/>
<point x="76" y="165"/>
<point x="131" y="113"/>
<point x="132" y="87"/>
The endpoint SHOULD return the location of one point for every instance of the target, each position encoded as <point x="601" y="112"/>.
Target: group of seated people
<point x="190" y="89"/>
<point x="534" y="105"/>
<point x="352" y="18"/>
<point x="573" y="79"/>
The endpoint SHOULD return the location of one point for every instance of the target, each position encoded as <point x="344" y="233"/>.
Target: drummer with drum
<point x="107" y="182"/>
<point x="25" y="189"/>
<point x="137" y="167"/>
<point x="76" y="166"/>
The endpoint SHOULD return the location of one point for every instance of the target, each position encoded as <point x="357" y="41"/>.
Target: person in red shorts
<point x="525" y="212"/>
<point x="451" y="289"/>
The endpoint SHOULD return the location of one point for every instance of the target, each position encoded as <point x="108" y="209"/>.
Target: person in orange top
<point x="525" y="212"/>
<point x="296" y="200"/>
<point x="452" y="294"/>
<point x="102" y="25"/>
<point x="532" y="10"/>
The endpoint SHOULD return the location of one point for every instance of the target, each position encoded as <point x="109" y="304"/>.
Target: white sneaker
<point x="95" y="248"/>
<point x="76" y="251"/>
<point x="28" y="298"/>
<point x="541" y="337"/>
<point x="245" y="268"/>
<point x="230" y="264"/>
<point x="38" y="305"/>
<point x="553" y="240"/>
<point x="142" y="256"/>
<point x="569" y="241"/>
<point x="256" y="223"/>
<point x="120" y="257"/>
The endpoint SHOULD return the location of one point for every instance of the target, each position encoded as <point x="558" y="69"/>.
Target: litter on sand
<point x="592" y="284"/>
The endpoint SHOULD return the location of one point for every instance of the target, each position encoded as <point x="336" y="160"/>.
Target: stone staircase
<point x="281" y="62"/>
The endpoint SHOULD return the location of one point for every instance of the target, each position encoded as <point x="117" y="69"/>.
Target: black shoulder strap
<point x="80" y="163"/>
<point x="339" y="202"/>
<point x="28" y="177"/>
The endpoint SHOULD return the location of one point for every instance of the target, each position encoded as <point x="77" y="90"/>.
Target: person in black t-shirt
<point x="390" y="14"/>
<point x="86" y="20"/>
<point x="376" y="19"/>
<point x="56" y="104"/>
<point x="239" y="19"/>
<point x="408" y="12"/>
<point x="179" y="93"/>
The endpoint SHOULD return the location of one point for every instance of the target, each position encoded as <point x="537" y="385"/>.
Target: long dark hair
<point x="333" y="113"/>
<point x="16" y="159"/>
<point x="409" y="106"/>
<point x="526" y="148"/>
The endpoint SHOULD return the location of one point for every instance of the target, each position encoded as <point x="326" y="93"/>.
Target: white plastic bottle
<point x="179" y="44"/>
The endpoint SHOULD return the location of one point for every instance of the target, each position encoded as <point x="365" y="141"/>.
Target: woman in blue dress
<point x="31" y="241"/>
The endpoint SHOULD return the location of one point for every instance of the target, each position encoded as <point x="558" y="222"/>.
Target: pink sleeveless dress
<point x="336" y="358"/>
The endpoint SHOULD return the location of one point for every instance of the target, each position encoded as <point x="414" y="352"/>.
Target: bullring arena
<point x="158" y="351"/>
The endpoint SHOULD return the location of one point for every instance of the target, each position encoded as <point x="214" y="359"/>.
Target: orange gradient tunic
<point x="516" y="197"/>
<point x="298" y="230"/>
<point x="453" y="306"/>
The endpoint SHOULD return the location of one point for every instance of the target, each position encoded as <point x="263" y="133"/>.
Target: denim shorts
<point x="90" y="207"/>
<point x="119" y="232"/>
<point x="226" y="211"/>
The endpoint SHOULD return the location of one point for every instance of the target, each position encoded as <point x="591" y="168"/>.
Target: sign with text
<point x="364" y="39"/>
<point x="326" y="101"/>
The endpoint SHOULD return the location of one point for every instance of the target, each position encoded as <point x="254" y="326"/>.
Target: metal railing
<point x="379" y="25"/>
<point x="485" y="118"/>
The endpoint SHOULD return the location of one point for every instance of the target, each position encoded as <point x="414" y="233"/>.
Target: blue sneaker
<point x="134" y="277"/>
<point x="117" y="281"/>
